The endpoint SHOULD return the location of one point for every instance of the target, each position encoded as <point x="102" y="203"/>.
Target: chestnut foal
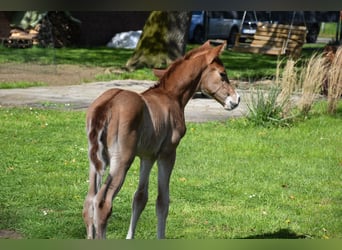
<point x="122" y="124"/>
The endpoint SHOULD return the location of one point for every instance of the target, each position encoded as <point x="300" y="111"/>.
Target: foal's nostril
<point x="238" y="100"/>
<point x="234" y="104"/>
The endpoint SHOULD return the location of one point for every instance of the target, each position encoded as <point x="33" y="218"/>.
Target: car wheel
<point x="312" y="35"/>
<point x="198" y="35"/>
<point x="232" y="37"/>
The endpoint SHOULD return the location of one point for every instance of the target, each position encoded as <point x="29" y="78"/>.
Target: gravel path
<point x="199" y="109"/>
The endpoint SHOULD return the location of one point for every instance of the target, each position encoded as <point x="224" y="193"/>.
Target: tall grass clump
<point x="264" y="109"/>
<point x="311" y="79"/>
<point x="278" y="105"/>
<point x="288" y="82"/>
<point x="273" y="106"/>
<point x="335" y="81"/>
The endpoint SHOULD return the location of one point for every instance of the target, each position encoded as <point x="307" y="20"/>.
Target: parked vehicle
<point x="218" y="25"/>
<point x="227" y="24"/>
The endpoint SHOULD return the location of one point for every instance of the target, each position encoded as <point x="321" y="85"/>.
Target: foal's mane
<point x="190" y="55"/>
<point x="168" y="72"/>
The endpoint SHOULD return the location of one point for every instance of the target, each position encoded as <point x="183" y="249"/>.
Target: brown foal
<point x="122" y="124"/>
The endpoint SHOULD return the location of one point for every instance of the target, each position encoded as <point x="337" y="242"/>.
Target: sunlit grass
<point x="328" y="30"/>
<point x="139" y="74"/>
<point x="20" y="84"/>
<point x="240" y="66"/>
<point x="231" y="179"/>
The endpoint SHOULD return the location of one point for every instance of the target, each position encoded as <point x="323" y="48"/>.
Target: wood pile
<point x="55" y="29"/>
<point x="19" y="38"/>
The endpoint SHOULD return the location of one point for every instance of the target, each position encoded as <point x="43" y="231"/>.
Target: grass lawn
<point x="328" y="30"/>
<point x="231" y="180"/>
<point x="240" y="66"/>
<point x="20" y="84"/>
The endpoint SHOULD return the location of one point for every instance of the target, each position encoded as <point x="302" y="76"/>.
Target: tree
<point x="162" y="41"/>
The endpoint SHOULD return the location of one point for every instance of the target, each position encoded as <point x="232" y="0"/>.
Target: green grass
<point x="264" y="110"/>
<point x="139" y="74"/>
<point x="231" y="179"/>
<point x="240" y="66"/>
<point x="328" y="30"/>
<point x="100" y="56"/>
<point x="20" y="84"/>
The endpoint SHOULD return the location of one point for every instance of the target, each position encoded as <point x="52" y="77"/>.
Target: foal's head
<point x="214" y="80"/>
<point x="215" y="83"/>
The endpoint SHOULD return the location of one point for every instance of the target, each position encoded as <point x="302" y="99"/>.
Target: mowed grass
<point x="231" y="179"/>
<point x="20" y="84"/>
<point x="240" y="66"/>
<point x="328" y="30"/>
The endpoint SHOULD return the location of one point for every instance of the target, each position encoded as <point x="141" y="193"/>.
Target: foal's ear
<point x="222" y="47"/>
<point x="215" y="52"/>
<point x="206" y="45"/>
<point x="159" y="72"/>
<point x="199" y="51"/>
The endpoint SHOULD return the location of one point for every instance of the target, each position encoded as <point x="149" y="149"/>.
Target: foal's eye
<point x="223" y="74"/>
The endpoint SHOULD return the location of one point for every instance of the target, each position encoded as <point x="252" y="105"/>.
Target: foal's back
<point x="142" y="123"/>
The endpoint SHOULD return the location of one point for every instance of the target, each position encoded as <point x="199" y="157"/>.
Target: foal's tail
<point x="97" y="122"/>
<point x="98" y="154"/>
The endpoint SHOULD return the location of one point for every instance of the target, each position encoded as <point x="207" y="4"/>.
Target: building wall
<point x="97" y="28"/>
<point x="4" y="25"/>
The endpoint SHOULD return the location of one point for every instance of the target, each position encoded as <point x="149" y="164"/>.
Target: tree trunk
<point x="162" y="41"/>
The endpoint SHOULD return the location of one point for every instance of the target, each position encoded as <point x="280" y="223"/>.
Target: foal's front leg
<point x="165" y="167"/>
<point x="141" y="195"/>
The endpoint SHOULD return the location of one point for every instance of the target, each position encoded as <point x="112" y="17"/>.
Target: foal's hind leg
<point x="88" y="208"/>
<point x="119" y="166"/>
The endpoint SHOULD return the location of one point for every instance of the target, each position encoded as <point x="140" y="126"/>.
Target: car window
<point x="230" y="14"/>
<point x="197" y="12"/>
<point x="216" y="14"/>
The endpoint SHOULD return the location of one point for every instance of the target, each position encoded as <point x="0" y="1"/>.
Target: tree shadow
<point x="283" y="233"/>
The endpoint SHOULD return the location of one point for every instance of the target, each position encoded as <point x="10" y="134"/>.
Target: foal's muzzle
<point x="232" y="102"/>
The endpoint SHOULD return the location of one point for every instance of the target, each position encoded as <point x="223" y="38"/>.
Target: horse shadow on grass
<point x="283" y="233"/>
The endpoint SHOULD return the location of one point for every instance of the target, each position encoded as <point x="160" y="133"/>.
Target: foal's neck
<point x="182" y="78"/>
<point x="182" y="91"/>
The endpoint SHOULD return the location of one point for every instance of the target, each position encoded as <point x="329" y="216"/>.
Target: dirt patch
<point x="10" y="234"/>
<point x="65" y="89"/>
<point x="52" y="75"/>
<point x="64" y="74"/>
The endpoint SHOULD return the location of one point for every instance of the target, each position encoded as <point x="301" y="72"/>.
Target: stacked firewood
<point x="55" y="29"/>
<point x="19" y="38"/>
